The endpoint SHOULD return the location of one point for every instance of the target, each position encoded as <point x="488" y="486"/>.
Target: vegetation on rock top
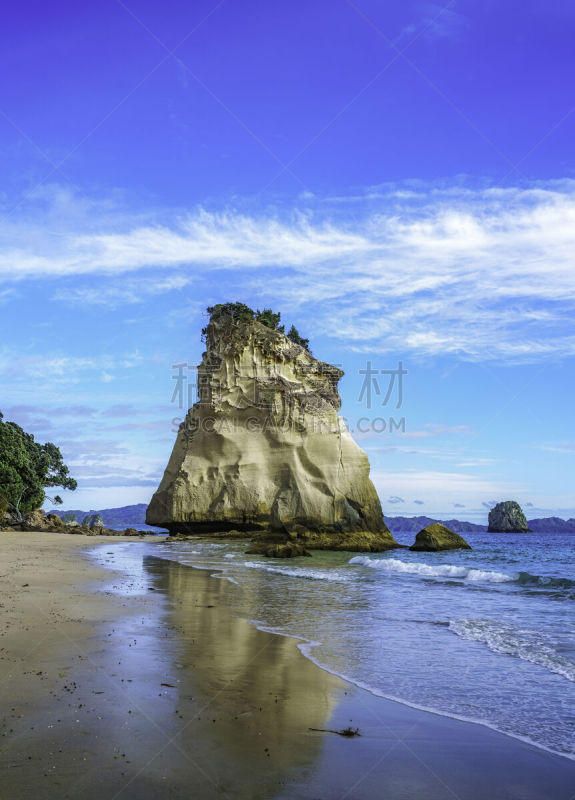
<point x="243" y="313"/>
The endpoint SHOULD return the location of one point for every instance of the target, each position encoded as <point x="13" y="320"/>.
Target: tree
<point x="238" y="311"/>
<point x="27" y="468"/>
<point x="241" y="312"/>
<point x="295" y="337"/>
<point x="268" y="318"/>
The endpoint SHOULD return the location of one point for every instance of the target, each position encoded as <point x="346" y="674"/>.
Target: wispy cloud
<point x="451" y="487"/>
<point x="435" y="22"/>
<point x="479" y="274"/>
<point x="489" y="503"/>
<point x="560" y="447"/>
<point x="25" y="414"/>
<point x="63" y="368"/>
<point x="432" y="429"/>
<point x="124" y="293"/>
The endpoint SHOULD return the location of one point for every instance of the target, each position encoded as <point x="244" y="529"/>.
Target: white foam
<point x="296" y="572"/>
<point x="224" y="578"/>
<point x="431" y="571"/>
<point x="528" y="645"/>
<point x="306" y="647"/>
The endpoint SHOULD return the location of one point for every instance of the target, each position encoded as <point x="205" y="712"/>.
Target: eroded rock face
<point x="93" y="521"/>
<point x="264" y="450"/>
<point x="507" y="517"/>
<point x="437" y="537"/>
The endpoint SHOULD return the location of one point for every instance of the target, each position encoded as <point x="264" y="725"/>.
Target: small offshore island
<point x="507" y="517"/>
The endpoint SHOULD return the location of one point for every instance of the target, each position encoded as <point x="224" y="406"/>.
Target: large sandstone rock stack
<point x="507" y="517"/>
<point x="263" y="451"/>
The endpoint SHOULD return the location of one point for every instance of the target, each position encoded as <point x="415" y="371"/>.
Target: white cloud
<point x="433" y="429"/>
<point x="442" y="488"/>
<point x="560" y="447"/>
<point x="118" y="295"/>
<point x="65" y="369"/>
<point x="480" y="274"/>
<point x="436" y="22"/>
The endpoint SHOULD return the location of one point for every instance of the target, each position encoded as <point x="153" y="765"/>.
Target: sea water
<point x="486" y="635"/>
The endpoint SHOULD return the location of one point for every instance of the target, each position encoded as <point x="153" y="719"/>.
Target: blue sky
<point x="397" y="178"/>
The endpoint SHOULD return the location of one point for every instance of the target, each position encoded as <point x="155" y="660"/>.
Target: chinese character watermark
<point x="371" y="384"/>
<point x="179" y="393"/>
<point x="196" y="387"/>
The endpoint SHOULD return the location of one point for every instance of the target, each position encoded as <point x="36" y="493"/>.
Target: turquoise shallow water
<point x="486" y="635"/>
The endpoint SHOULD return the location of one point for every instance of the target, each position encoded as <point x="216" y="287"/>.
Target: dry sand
<point x="115" y="687"/>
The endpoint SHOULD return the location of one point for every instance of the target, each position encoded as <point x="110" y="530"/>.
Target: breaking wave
<point x="295" y="572"/>
<point x="544" y="581"/>
<point x="528" y="645"/>
<point x="395" y="565"/>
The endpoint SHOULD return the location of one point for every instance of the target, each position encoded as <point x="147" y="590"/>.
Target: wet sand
<point x="150" y="687"/>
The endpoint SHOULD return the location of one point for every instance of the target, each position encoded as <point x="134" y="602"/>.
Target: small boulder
<point x="278" y="549"/>
<point x="437" y="537"/>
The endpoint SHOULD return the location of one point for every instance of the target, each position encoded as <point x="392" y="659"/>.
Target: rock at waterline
<point x="507" y="517"/>
<point x="281" y="549"/>
<point x="264" y="451"/>
<point x="93" y="521"/>
<point x="438" y="537"/>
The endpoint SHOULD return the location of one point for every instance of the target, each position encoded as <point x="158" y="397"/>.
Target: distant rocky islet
<point x="507" y="517"/>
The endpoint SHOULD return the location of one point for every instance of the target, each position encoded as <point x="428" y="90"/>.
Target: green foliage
<point x="69" y="516"/>
<point x="27" y="468"/>
<point x="236" y="310"/>
<point x="271" y="319"/>
<point x="268" y="318"/>
<point x="295" y="337"/>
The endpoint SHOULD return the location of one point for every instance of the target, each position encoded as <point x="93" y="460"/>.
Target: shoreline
<point x="129" y="736"/>
<point x="428" y="709"/>
<point x="306" y="647"/>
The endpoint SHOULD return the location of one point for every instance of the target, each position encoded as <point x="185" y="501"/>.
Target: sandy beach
<point x="117" y="686"/>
